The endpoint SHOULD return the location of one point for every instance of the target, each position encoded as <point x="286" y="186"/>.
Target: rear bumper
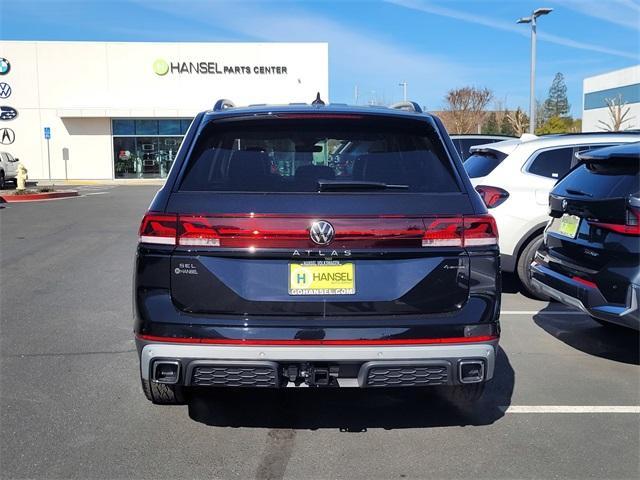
<point x="352" y="366"/>
<point x="589" y="300"/>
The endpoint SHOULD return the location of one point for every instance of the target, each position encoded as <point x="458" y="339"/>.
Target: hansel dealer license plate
<point x="322" y="278"/>
<point x="569" y="225"/>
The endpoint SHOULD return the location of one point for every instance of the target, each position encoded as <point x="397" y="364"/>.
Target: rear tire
<point x="2" y="182"/>
<point x="465" y="394"/>
<point x="524" y="268"/>
<point x="163" y="394"/>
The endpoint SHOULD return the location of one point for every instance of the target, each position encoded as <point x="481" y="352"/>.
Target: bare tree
<point x="618" y="115"/>
<point x="519" y="121"/>
<point x="465" y="107"/>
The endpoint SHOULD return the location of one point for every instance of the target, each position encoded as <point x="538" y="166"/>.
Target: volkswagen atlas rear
<point x="268" y="260"/>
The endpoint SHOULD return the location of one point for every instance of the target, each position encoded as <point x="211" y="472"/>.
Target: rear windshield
<point x="603" y="180"/>
<point x="481" y="164"/>
<point x="294" y="153"/>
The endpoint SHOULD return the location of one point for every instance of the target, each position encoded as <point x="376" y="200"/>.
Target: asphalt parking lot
<point x="564" y="403"/>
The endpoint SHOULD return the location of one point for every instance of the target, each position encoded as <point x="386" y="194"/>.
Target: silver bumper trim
<point x="486" y="351"/>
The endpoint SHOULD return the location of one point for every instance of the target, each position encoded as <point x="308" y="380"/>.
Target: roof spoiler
<point x="408" y="106"/>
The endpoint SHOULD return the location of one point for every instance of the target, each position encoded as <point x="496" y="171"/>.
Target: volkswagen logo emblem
<point x="5" y="90"/>
<point x="321" y="232"/>
<point x="564" y="204"/>
<point x="8" y="113"/>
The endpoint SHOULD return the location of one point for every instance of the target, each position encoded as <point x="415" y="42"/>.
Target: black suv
<point x="590" y="258"/>
<point x="265" y="261"/>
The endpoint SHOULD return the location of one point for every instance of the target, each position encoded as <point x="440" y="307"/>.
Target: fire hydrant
<point x="21" y="177"/>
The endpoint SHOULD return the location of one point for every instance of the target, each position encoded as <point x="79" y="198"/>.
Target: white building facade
<point x="621" y="86"/>
<point x="120" y="110"/>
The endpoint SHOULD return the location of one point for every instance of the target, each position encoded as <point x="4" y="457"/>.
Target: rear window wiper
<point x="573" y="191"/>
<point x="352" y="185"/>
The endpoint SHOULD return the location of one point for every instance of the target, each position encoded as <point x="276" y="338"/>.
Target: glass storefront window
<point x="169" y="127"/>
<point x="124" y="127"/>
<point x="146" y="127"/>
<point x="138" y="154"/>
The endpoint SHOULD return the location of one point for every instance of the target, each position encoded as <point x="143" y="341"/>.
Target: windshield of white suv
<point x="480" y="164"/>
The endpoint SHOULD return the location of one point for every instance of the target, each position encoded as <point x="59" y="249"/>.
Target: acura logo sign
<point x="321" y="232"/>
<point x="7" y="136"/>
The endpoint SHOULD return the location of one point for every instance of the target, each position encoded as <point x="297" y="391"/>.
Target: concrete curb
<point x="33" y="197"/>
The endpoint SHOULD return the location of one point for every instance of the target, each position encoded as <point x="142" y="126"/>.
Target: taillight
<point x="267" y="231"/>
<point x="492" y="196"/>
<point x="197" y="231"/>
<point x="464" y="231"/>
<point x="479" y="231"/>
<point x="630" y="227"/>
<point x="158" y="228"/>
<point x="443" y="232"/>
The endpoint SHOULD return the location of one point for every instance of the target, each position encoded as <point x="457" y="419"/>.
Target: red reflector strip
<point x="584" y="282"/>
<point x="391" y="341"/>
<point x="619" y="228"/>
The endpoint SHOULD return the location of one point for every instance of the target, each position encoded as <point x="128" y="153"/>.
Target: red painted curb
<point x="39" y="196"/>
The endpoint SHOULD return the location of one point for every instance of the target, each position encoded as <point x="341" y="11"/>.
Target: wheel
<point x="163" y="394"/>
<point x="524" y="268"/>
<point x="463" y="394"/>
<point x="2" y="182"/>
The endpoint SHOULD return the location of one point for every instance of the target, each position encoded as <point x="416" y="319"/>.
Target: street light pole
<point x="532" y="80"/>
<point x="532" y="92"/>
<point x="404" y="90"/>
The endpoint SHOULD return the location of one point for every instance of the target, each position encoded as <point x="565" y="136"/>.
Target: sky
<point x="432" y="45"/>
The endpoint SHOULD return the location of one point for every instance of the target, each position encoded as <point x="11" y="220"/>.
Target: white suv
<point x="514" y="177"/>
<point x="8" y="168"/>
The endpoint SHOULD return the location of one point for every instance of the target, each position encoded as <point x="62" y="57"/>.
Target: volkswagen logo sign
<point x="8" y="113"/>
<point x="321" y="232"/>
<point x="5" y="66"/>
<point x="5" y="90"/>
<point x="564" y="204"/>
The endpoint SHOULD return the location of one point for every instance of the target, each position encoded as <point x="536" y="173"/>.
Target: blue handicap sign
<point x="47" y="133"/>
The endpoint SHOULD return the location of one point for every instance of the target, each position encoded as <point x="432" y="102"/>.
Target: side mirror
<point x="15" y="159"/>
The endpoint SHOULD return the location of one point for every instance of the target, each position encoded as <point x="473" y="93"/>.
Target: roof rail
<point x="409" y="106"/>
<point x="223" y="104"/>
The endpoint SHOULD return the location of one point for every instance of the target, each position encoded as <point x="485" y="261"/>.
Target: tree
<point x="465" y="108"/>
<point x="556" y="125"/>
<point x="519" y="121"/>
<point x="556" y="104"/>
<point x="618" y="115"/>
<point x="505" y="125"/>
<point x="491" y="125"/>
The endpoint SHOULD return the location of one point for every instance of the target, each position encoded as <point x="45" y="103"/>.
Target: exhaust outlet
<point x="471" y="371"/>
<point x="166" y="371"/>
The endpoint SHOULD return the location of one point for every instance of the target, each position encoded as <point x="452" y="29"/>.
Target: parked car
<point x="8" y="168"/>
<point x="590" y="257"/>
<point x="464" y="142"/>
<point x="515" y="177"/>
<point x="252" y="276"/>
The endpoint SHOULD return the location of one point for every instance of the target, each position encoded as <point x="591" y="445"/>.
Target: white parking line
<point x="571" y="409"/>
<point x="536" y="312"/>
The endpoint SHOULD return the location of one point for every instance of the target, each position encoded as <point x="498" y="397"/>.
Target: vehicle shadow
<point x="583" y="333"/>
<point x="510" y="283"/>
<point x="350" y="409"/>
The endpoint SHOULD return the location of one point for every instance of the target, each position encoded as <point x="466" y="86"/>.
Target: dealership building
<point x="103" y="110"/>
<point x="622" y="87"/>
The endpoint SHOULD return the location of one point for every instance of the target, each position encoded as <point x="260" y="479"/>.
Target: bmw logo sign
<point x="5" y="66"/>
